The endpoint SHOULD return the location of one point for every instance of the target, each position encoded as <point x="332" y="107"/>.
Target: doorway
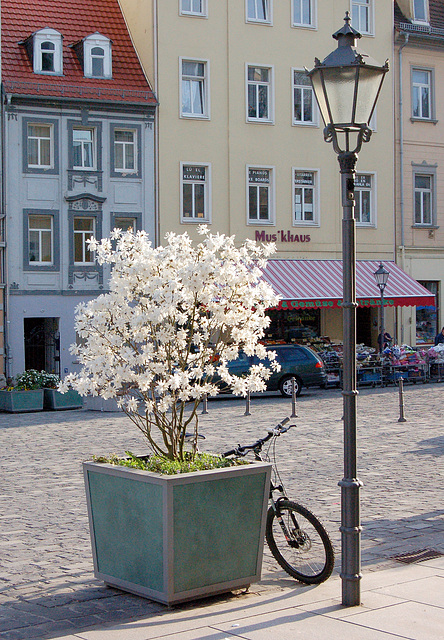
<point x="42" y="344"/>
<point x="364" y="326"/>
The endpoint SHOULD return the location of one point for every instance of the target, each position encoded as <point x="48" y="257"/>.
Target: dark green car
<point x="296" y="361"/>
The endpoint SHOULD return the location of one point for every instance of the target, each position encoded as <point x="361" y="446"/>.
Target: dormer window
<point x="97" y="62"/>
<point x="47" y="52"/>
<point x="97" y="56"/>
<point x="420" y="11"/>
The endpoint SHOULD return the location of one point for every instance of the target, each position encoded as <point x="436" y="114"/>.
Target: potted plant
<point x="53" y="399"/>
<point x="173" y="318"/>
<point x="24" y="394"/>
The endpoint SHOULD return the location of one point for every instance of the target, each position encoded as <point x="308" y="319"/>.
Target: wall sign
<point x="281" y="236"/>
<point x="331" y="304"/>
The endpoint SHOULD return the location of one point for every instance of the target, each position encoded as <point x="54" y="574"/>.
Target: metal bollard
<point x="294" y="413"/>
<point x="205" y="405"/>
<point x="401" y="401"/>
<point x="247" y="405"/>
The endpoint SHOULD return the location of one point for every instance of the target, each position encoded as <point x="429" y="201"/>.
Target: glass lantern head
<point x="381" y="276"/>
<point x="347" y="83"/>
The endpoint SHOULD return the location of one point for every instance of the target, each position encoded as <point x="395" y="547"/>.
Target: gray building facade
<point x="78" y="162"/>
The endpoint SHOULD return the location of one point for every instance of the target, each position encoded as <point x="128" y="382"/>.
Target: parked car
<point x="296" y="361"/>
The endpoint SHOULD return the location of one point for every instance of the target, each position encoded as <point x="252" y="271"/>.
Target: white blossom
<point x="174" y="316"/>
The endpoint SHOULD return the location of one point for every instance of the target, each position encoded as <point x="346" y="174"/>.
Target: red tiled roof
<point x="74" y="19"/>
<point x="436" y="13"/>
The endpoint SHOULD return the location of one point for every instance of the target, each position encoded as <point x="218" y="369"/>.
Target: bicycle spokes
<point x="299" y="542"/>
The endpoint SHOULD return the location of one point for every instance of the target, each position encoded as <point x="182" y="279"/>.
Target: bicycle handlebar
<point x="242" y="450"/>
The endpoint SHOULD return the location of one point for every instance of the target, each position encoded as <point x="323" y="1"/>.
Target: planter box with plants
<point x="177" y="537"/>
<point x="53" y="399"/>
<point x="175" y="524"/>
<point x="21" y="401"/>
<point x="25" y="394"/>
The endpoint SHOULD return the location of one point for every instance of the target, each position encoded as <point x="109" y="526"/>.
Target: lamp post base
<point x="350" y="542"/>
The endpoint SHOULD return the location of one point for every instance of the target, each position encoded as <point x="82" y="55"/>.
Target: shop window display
<point x="302" y="326"/>
<point x="427" y="317"/>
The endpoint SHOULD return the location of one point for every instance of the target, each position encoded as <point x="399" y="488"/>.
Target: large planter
<point x="21" y="401"/>
<point x="55" y="400"/>
<point x="177" y="538"/>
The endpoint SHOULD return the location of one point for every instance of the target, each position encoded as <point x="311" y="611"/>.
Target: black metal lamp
<point x="381" y="277"/>
<point x="347" y="85"/>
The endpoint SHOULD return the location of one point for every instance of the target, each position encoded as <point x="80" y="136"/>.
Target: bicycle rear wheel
<point x="308" y="555"/>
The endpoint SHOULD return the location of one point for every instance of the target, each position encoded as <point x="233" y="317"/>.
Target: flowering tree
<point x="161" y="338"/>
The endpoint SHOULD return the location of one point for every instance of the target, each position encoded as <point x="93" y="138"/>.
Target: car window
<point x="290" y="354"/>
<point x="242" y="360"/>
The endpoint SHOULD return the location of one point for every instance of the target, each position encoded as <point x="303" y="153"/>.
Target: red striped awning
<point x="317" y="284"/>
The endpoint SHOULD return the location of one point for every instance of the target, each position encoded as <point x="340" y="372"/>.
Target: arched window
<point x="47" y="51"/>
<point x="97" y="62"/>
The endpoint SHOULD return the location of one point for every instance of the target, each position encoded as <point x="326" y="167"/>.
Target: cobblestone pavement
<point x="47" y="587"/>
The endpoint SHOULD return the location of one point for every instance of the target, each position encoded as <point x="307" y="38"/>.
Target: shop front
<point x="310" y="309"/>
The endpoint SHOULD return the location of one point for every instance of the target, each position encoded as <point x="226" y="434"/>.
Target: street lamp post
<point x="347" y="85"/>
<point x="381" y="277"/>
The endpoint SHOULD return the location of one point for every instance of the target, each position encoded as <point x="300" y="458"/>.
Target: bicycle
<point x="295" y="536"/>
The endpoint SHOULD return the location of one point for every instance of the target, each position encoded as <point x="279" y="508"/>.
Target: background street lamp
<point x="347" y="85"/>
<point x="381" y="277"/>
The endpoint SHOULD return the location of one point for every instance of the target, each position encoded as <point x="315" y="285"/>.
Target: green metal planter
<point x="181" y="537"/>
<point x="54" y="400"/>
<point x="21" y="401"/>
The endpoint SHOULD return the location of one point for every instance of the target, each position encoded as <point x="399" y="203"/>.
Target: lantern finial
<point x="347" y="35"/>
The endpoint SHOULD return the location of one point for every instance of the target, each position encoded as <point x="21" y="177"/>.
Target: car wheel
<point x="286" y="386"/>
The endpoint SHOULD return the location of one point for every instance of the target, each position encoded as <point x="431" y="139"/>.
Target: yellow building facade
<point x="239" y="137"/>
<point x="419" y="158"/>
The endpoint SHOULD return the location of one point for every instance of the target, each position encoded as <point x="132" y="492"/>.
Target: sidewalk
<point x="402" y="602"/>
<point x="47" y="586"/>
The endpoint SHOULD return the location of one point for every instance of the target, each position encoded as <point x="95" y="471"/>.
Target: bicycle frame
<point x="256" y="448"/>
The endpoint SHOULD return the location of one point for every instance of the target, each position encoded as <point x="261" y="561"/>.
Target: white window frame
<point x="268" y="20"/>
<point x="425" y="5"/>
<point x="316" y="194"/>
<point x="432" y="191"/>
<point x="203" y="13"/>
<point x="271" y="195"/>
<point x="421" y="86"/>
<point x="314" y="122"/>
<point x="93" y="149"/>
<point x="40" y="165"/>
<point x="85" y="235"/>
<point x="295" y="14"/>
<point x="55" y="38"/>
<point x="124" y="169"/>
<point x="207" y="192"/>
<point x="40" y="231"/>
<point x="372" y="190"/>
<point x="89" y="43"/>
<point x="205" y="79"/>
<point x="371" y="16"/>
<point x="257" y="84"/>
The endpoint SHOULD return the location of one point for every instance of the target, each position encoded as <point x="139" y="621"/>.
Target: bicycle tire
<point x="311" y="558"/>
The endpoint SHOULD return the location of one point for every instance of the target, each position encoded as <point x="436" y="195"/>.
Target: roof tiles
<point x="74" y="19"/>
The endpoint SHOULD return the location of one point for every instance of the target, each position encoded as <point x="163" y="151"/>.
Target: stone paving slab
<point x="46" y="582"/>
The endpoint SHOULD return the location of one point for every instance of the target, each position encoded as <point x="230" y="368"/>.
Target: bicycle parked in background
<point x="296" y="538"/>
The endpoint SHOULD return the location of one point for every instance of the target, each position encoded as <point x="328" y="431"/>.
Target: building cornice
<point x="420" y="35"/>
